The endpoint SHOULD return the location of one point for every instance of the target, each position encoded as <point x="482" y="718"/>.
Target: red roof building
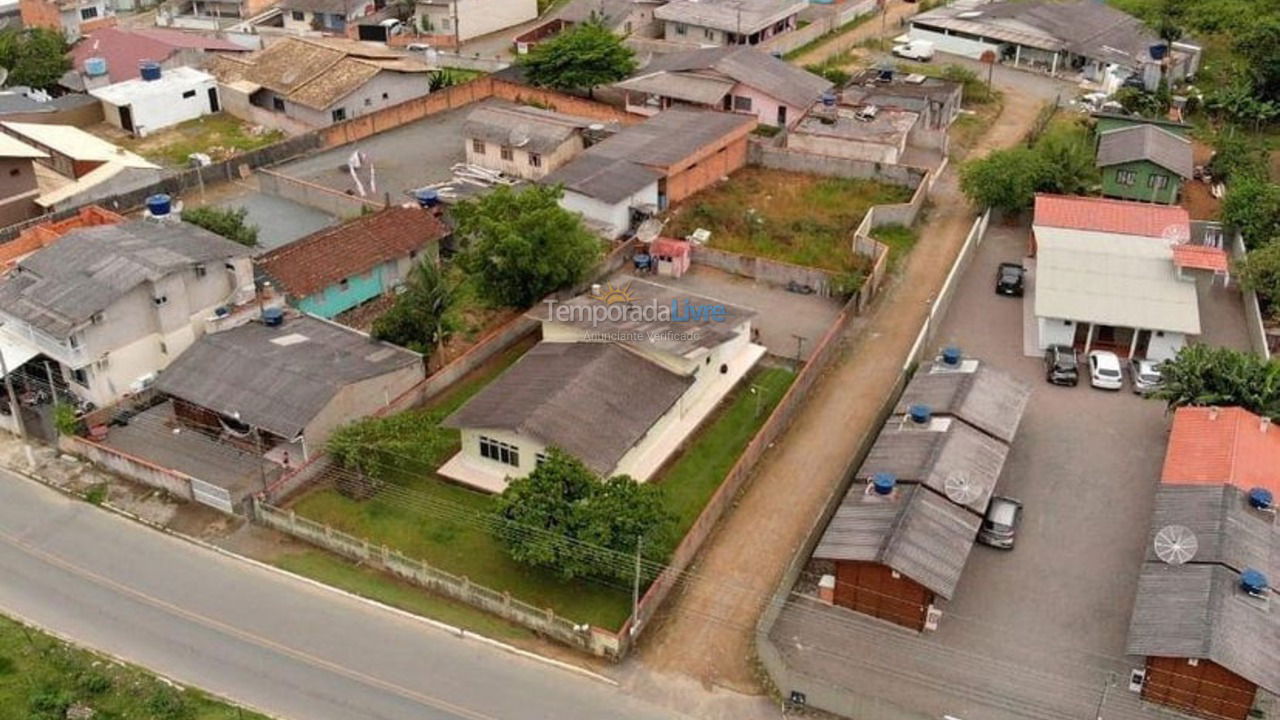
<point x="1119" y="217"/>
<point x="1217" y="446"/>
<point x="124" y="49"/>
<point x="1200" y="257"/>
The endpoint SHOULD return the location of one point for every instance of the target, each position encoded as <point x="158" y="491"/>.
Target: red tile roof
<point x="1112" y="216"/>
<point x="313" y="263"/>
<point x="1200" y="257"/>
<point x="124" y="49"/>
<point x="1218" y="446"/>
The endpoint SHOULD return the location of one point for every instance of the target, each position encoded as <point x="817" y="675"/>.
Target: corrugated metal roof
<point x="686" y="86"/>
<point x="1228" y="532"/>
<point x="747" y="65"/>
<point x="1146" y="142"/>
<point x="931" y="456"/>
<point x="745" y="16"/>
<point x="74" y="143"/>
<point x="989" y="399"/>
<point x="12" y="147"/>
<point x="528" y="128"/>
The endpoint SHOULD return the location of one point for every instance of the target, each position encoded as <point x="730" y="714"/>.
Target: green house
<point x="1104" y="121"/>
<point x="1143" y="162"/>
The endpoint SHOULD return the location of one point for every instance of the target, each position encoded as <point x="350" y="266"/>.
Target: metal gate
<point x="211" y="495"/>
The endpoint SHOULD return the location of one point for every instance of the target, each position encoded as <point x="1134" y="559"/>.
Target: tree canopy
<point x="1259" y="270"/>
<point x="34" y="56"/>
<point x="1206" y="375"/>
<point x="419" y="319"/>
<point x="230" y="223"/>
<point x="1004" y="179"/>
<point x="1252" y="205"/>
<point x="376" y="449"/>
<point x="580" y="58"/>
<point x="521" y="245"/>
<point x="563" y="517"/>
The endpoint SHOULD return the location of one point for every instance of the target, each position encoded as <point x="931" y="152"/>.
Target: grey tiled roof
<point x="989" y="399"/>
<point x="745" y="64"/>
<point x="61" y="286"/>
<point x="930" y="457"/>
<point x="528" y="128"/>
<point x="1146" y="142"/>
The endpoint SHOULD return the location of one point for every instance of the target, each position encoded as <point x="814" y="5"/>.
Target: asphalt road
<point x="259" y="638"/>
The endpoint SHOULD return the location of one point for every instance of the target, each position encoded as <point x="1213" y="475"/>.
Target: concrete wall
<point x="712" y="164"/>
<point x="767" y="271"/>
<point x="765" y="107"/>
<point x="171" y="481"/>
<point x="847" y="148"/>
<point x="18" y="189"/>
<point x="796" y="161"/>
<point x="322" y="198"/>
<point x="1165" y="345"/>
<point x="360" y="399"/>
<point x="1055" y="331"/>
<point x="386" y="89"/>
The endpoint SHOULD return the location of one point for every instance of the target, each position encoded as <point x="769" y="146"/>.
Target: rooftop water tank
<point x="951" y="356"/>
<point x="1253" y="582"/>
<point x="273" y="317"/>
<point x="1261" y="498"/>
<point x="883" y="482"/>
<point x="427" y="198"/>
<point x="159" y="204"/>
<point x="920" y="414"/>
<point x="1157" y="51"/>
<point x="828" y="99"/>
<point x="149" y="70"/>
<point x="95" y="66"/>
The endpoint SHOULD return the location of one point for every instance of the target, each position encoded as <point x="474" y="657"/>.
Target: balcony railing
<point x="44" y="342"/>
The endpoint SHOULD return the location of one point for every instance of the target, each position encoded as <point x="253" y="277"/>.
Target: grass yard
<point x="41" y="678"/>
<point x="219" y="136"/>
<point x="446" y="525"/>
<point x="793" y="217"/>
<point x="900" y="240"/>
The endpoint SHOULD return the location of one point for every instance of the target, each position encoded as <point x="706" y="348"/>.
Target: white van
<point x="921" y="50"/>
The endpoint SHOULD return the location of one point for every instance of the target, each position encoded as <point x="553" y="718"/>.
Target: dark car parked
<point x="1001" y="522"/>
<point x="1009" y="279"/>
<point x="1061" y="365"/>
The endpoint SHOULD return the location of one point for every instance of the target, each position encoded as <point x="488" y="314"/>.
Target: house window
<point x="95" y="319"/>
<point x="385" y="96"/>
<point x="499" y="451"/>
<point x="446" y="24"/>
<point x="741" y="104"/>
<point x="201" y="271"/>
<point x="188" y="94"/>
<point x="708" y="33"/>
<point x="339" y="115"/>
<point x="103" y="363"/>
<point x="1126" y="177"/>
<point x="277" y="104"/>
<point x="160" y="299"/>
<point x="344" y="284"/>
<point x="88" y="13"/>
<point x="535" y="160"/>
<point x="80" y="376"/>
<point x="1156" y="181"/>
<point x="164" y="349"/>
<point x="413" y="254"/>
<point x="477" y="147"/>
<point x="368" y="102"/>
<point x="539" y="459"/>
<point x="507" y="153"/>
<point x="681" y="28"/>
<point x="298" y="15"/>
<point x="74" y="341"/>
<point x="627" y="28"/>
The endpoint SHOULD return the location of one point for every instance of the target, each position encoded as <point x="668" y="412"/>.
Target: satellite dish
<point x="1176" y="544"/>
<point x="519" y="135"/>
<point x="1176" y="234"/>
<point x="960" y="489"/>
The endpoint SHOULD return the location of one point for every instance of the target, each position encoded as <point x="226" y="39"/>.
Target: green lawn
<point x="219" y="135"/>
<point x="41" y="677"/>
<point x="900" y="240"/>
<point x="793" y="217"/>
<point x="425" y="517"/>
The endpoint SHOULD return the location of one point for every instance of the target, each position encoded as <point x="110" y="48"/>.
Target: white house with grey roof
<point x="728" y="22"/>
<point x="619" y="394"/>
<point x="114" y="304"/>
<point x="522" y="141"/>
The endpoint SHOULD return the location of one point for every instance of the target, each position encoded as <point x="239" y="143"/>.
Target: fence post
<point x="293" y="521"/>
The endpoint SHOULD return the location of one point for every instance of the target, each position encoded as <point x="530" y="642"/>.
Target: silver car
<point x="1146" y="376"/>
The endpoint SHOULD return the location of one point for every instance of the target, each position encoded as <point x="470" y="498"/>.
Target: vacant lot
<point x="219" y="136"/>
<point x="450" y="526"/>
<point x="792" y="217"/>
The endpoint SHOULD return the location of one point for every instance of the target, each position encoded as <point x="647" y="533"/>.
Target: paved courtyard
<point x="1038" y="632"/>
<point x="782" y="316"/>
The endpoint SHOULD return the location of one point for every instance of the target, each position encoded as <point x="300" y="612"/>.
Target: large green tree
<point x="1259" y="45"/>
<point x="1004" y="180"/>
<point x="381" y="449"/>
<point x="1067" y="164"/>
<point x="420" y="318"/>
<point x="230" y="223"/>
<point x="1252" y="205"/>
<point x="1259" y="271"/>
<point x="563" y="517"/>
<point x="33" y="56"/>
<point x="580" y="58"/>
<point x="1206" y="375"/>
<point x="520" y="244"/>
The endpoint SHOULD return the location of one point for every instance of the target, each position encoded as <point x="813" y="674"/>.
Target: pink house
<point x="738" y="79"/>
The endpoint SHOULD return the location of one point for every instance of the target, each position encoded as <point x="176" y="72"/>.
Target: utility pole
<point x="262" y="471"/>
<point x="799" y="348"/>
<point x="16" y="408"/>
<point x="1111" y="680"/>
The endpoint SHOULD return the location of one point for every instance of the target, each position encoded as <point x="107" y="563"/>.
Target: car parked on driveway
<point x="1145" y="375"/>
<point x="1104" y="370"/>
<point x="1001" y="522"/>
<point x="1009" y="279"/>
<point x="1061" y="366"/>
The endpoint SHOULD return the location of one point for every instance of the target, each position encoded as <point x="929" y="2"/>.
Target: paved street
<point x="256" y="637"/>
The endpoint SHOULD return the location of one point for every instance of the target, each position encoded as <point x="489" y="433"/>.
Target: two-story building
<point x="18" y="184"/>
<point x="463" y="20"/>
<point x="340" y="268"/>
<point x="522" y="141"/>
<point x="113" y="305"/>
<point x="73" y="17"/>
<point x="622" y="377"/>
<point x="728" y="22"/>
<point x="330" y="16"/>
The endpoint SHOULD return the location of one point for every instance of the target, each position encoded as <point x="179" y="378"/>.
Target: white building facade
<point x="142" y="106"/>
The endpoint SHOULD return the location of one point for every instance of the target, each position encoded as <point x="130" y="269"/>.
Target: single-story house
<point x="935" y="100"/>
<point x="644" y="167"/>
<point x="1100" y="43"/>
<point x="1202" y="617"/>
<point x="86" y="167"/>
<point x="859" y="133"/>
<point x="332" y="16"/>
<point x="735" y="79"/>
<point x="144" y="105"/>
<point x="522" y="141"/>
<point x="339" y="268"/>
<point x="728" y="22"/>
<point x="19" y="186"/>
<point x="121" y="51"/>
<point x="316" y="82"/>
<point x="1109" y="275"/>
<point x="1104" y="121"/>
<point x="294" y="382"/>
<point x="1145" y="163"/>
<point x="620" y="380"/>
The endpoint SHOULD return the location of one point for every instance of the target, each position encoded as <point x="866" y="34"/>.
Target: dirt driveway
<point x="707" y="629"/>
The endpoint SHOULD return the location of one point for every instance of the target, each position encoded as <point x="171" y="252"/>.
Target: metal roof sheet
<point x="1146" y="142"/>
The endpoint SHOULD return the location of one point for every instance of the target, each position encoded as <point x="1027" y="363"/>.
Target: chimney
<point x="1264" y="424"/>
<point x="1213" y="412"/>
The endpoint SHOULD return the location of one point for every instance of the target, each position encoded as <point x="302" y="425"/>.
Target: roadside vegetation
<point x="43" y="678"/>
<point x="1203" y="375"/>
<point x="230" y="223"/>
<point x="1059" y="160"/>
<point x="579" y="59"/>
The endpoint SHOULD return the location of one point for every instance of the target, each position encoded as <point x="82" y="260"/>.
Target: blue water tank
<point x="95" y="66"/>
<point x="920" y="414"/>
<point x="883" y="482"/>
<point x="951" y="355"/>
<point x="1261" y="498"/>
<point x="1157" y="51"/>
<point x="149" y="70"/>
<point x="1253" y="582"/>
<point x="427" y="198"/>
<point x="159" y="204"/>
<point x="828" y="99"/>
<point x="273" y="317"/>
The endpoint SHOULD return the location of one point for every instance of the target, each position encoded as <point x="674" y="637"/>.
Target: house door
<point x="782" y="116"/>
<point x="213" y="100"/>
<point x="126" y="118"/>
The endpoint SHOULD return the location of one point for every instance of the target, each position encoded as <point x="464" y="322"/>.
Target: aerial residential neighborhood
<point x="640" y="359"/>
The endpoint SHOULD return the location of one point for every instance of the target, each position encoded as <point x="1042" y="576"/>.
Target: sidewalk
<point x="707" y="630"/>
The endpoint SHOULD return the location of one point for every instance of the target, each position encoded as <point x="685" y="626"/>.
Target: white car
<point x="1104" y="370"/>
<point x="921" y="50"/>
<point x="1146" y="376"/>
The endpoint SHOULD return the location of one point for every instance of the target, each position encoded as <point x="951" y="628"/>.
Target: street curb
<point x="429" y="622"/>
